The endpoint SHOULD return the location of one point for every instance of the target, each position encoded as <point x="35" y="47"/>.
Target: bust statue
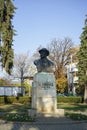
<point x="44" y="64"/>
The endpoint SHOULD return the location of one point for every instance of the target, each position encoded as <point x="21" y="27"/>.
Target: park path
<point x="45" y="123"/>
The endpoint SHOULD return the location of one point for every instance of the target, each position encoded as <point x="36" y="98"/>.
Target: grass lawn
<point x="73" y="107"/>
<point x="14" y="108"/>
<point x="19" y="112"/>
<point x="15" y="112"/>
<point x="74" y="111"/>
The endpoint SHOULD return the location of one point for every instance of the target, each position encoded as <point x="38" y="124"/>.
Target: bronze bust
<point x="44" y="64"/>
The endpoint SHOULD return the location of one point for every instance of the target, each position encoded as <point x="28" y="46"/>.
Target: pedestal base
<point x="34" y="113"/>
<point x="44" y="93"/>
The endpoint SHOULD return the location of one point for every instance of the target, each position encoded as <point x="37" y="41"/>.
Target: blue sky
<point x="37" y="22"/>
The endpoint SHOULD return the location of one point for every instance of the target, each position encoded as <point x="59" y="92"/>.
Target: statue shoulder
<point x="50" y="62"/>
<point x="36" y="62"/>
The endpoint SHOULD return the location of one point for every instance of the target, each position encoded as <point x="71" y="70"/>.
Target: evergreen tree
<point x="7" y="9"/>
<point x="82" y="58"/>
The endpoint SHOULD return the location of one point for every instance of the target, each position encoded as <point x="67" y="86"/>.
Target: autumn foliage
<point x="61" y="84"/>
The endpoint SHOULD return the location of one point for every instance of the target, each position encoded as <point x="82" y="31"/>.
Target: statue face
<point x="43" y="54"/>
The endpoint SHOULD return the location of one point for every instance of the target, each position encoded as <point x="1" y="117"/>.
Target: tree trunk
<point x="85" y="94"/>
<point x="22" y="81"/>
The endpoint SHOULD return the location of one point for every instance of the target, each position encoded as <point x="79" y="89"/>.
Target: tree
<point x="5" y="82"/>
<point x="22" y="67"/>
<point x="60" y="52"/>
<point x="82" y="60"/>
<point x="61" y="84"/>
<point x="7" y="9"/>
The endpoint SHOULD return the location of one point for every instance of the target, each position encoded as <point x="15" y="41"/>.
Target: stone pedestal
<point x="44" y="93"/>
<point x="34" y="113"/>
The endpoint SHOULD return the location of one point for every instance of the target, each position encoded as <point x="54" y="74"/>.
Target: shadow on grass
<point x="73" y="107"/>
<point x="18" y="108"/>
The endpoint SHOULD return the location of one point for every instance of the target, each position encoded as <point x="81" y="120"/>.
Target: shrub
<point x="12" y="99"/>
<point x="17" y="117"/>
<point x="76" y="116"/>
<point x="27" y="99"/>
<point x="69" y="99"/>
<point x="1" y="100"/>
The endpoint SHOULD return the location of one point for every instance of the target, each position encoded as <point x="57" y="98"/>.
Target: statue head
<point x="44" y="64"/>
<point x="43" y="52"/>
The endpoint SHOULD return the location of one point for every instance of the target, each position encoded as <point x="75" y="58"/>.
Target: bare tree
<point x="22" y="67"/>
<point x="60" y="52"/>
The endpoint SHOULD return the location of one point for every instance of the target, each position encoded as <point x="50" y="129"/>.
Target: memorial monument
<point x="44" y="87"/>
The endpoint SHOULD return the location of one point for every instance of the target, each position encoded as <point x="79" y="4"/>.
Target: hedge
<point x="2" y="100"/>
<point x="12" y="99"/>
<point x="26" y="99"/>
<point x="69" y="99"/>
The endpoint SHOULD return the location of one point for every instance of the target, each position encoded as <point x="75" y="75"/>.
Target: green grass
<point x="19" y="112"/>
<point x="17" y="117"/>
<point x="17" y="108"/>
<point x="74" y="111"/>
<point x="74" y="107"/>
<point x="76" y="116"/>
<point x="15" y="112"/>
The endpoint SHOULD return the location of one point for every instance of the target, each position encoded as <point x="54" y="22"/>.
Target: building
<point x="72" y="77"/>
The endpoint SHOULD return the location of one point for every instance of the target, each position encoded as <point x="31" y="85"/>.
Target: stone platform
<point x="35" y="113"/>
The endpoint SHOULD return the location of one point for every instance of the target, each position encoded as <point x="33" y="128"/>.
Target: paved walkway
<point x="45" y="123"/>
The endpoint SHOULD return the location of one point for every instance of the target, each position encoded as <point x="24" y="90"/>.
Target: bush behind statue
<point x="69" y="99"/>
<point x="12" y="99"/>
<point x="27" y="99"/>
